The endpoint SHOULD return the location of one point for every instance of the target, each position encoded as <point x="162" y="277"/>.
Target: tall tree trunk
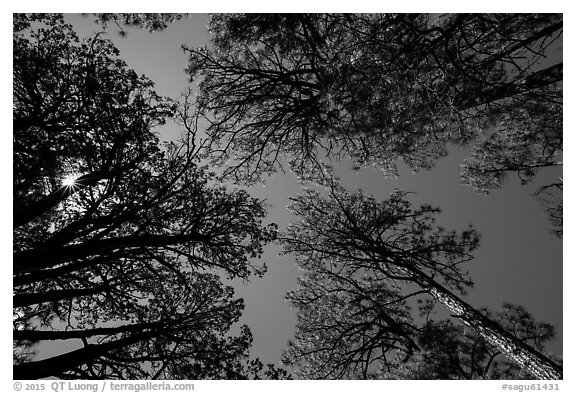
<point x="27" y="299"/>
<point x="56" y="365"/>
<point x="33" y="260"/>
<point x="527" y="357"/>
<point x="58" y="272"/>
<point x="40" y="335"/>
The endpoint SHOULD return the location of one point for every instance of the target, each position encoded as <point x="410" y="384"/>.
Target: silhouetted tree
<point x="118" y="260"/>
<point x="149" y="21"/>
<point x="352" y="249"/>
<point x="174" y="331"/>
<point x="78" y="110"/>
<point x="294" y="87"/>
<point x="550" y="197"/>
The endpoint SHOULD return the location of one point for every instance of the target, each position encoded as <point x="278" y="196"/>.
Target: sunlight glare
<point x="70" y="180"/>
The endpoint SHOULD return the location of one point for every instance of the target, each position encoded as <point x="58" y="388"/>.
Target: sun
<point x="70" y="180"/>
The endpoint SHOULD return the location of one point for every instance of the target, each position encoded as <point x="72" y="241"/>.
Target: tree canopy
<point x="150" y="22"/>
<point x="292" y="88"/>
<point x="365" y="263"/>
<point x="124" y="260"/>
<point x="550" y="196"/>
<point x="526" y="137"/>
<point x="122" y="242"/>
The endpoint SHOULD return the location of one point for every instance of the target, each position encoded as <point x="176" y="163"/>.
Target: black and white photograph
<point x="287" y="196"/>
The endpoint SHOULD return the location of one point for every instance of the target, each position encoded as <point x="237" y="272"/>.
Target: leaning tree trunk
<point x="57" y="365"/>
<point x="28" y="261"/>
<point x="53" y="335"/>
<point x="28" y="299"/>
<point x="527" y="357"/>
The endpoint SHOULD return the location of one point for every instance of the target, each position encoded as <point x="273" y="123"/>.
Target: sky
<point x="518" y="261"/>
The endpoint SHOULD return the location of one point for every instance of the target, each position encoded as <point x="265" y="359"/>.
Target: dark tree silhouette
<point x="118" y="261"/>
<point x="355" y="250"/>
<point x="550" y="197"/>
<point x="291" y="88"/>
<point x="178" y="331"/>
<point x="120" y="240"/>
<point x="77" y="110"/>
<point x="150" y="22"/>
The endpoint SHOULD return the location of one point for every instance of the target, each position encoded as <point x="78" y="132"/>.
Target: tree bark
<point x="527" y="357"/>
